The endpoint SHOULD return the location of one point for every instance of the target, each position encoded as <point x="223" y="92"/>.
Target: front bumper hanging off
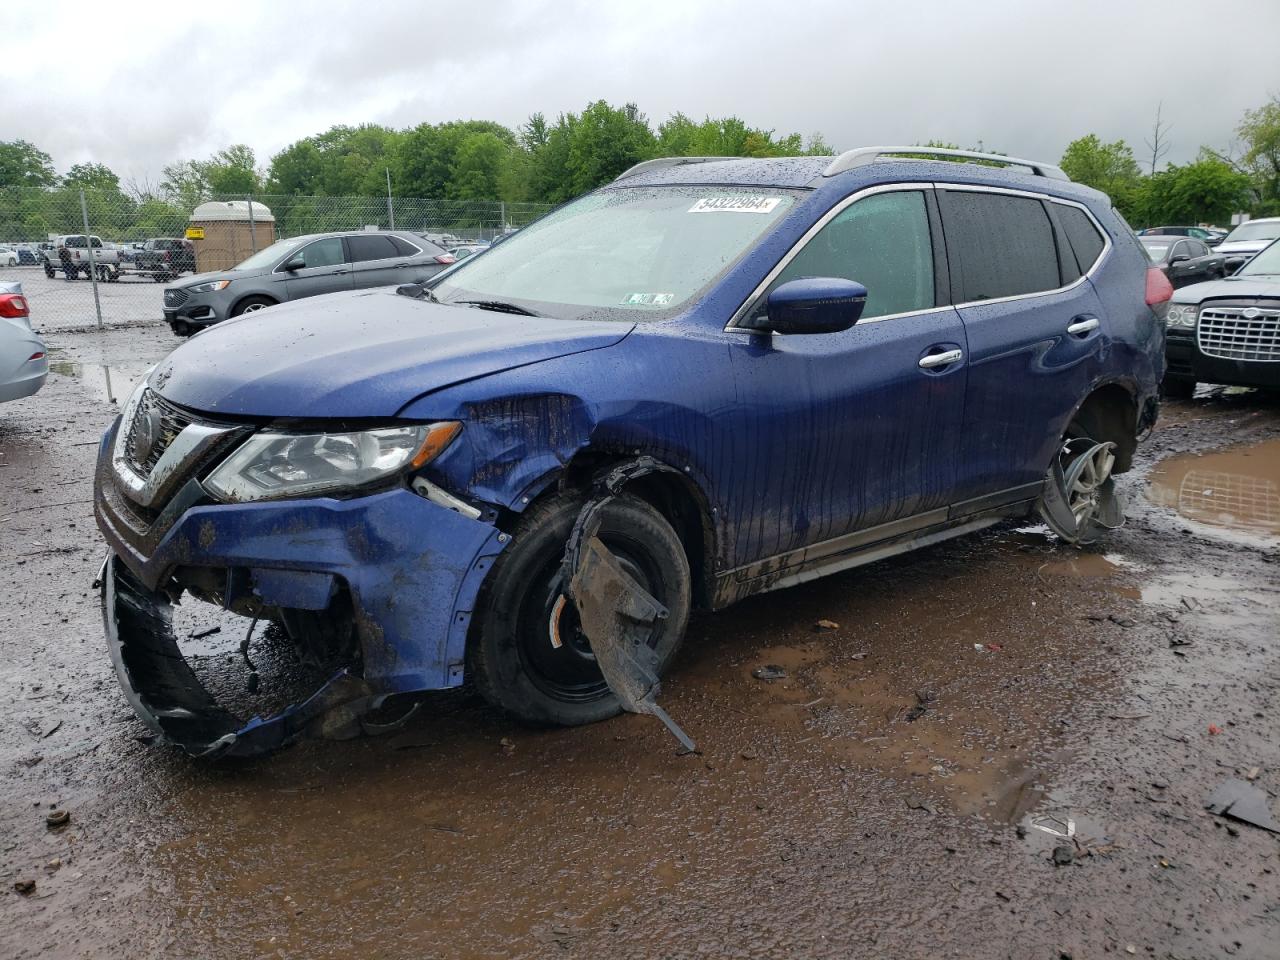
<point x="412" y="569"/>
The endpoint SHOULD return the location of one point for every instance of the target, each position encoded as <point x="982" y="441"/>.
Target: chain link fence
<point x="84" y="260"/>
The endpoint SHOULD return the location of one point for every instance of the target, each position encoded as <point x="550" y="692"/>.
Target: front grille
<point x="165" y="422"/>
<point x="1239" y="333"/>
<point x="176" y="298"/>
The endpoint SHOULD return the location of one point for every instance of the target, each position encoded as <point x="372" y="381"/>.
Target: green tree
<point x="603" y="142"/>
<point x="1109" y="167"/>
<point x="1260" y="133"/>
<point x="1206" y="191"/>
<point x="478" y="167"/>
<point x="92" y="176"/>
<point x="233" y="170"/>
<point x="425" y="156"/>
<point x="23" y="164"/>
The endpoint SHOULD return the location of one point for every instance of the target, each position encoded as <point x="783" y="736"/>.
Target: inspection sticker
<point x="735" y="205"/>
<point x="647" y="299"/>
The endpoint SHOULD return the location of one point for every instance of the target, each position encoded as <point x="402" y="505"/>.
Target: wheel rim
<point x="553" y="649"/>
<point x="1084" y="494"/>
<point x="253" y="307"/>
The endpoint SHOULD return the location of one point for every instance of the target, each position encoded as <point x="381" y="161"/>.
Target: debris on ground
<point x="1253" y="773"/>
<point x="57" y="818"/>
<point x="988" y="647"/>
<point x="1241" y="801"/>
<point x="826" y="625"/>
<point x="1055" y="826"/>
<point x="1064" y="855"/>
<point x="1214" y="729"/>
<point x="770" y="671"/>
<point x="508" y="746"/>
<point x="25" y="887"/>
<point x="925" y="701"/>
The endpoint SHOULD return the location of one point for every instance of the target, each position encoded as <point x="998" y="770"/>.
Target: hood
<point x="360" y="354"/>
<point x="1241" y="246"/>
<point x="1228" y="287"/>
<point x="214" y="275"/>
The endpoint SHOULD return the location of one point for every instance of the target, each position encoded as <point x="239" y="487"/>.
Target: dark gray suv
<point x="302" y="267"/>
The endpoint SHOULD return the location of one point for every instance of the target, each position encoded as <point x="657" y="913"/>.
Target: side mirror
<point x="295" y="263"/>
<point x="813" y="305"/>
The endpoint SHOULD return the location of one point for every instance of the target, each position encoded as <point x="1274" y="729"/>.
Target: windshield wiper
<point x="499" y="306"/>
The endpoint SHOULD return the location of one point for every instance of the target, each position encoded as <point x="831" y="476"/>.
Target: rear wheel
<point x="1079" y="501"/>
<point x="527" y="654"/>
<point x="252" y="304"/>
<point x="1177" y="388"/>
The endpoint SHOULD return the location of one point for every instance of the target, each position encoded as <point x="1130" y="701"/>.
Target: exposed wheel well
<point x="675" y="497"/>
<point x="252" y="296"/>
<point x="1111" y="413"/>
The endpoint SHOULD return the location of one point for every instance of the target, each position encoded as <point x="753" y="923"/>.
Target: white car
<point x="1247" y="239"/>
<point x="24" y="365"/>
<point x="8" y="256"/>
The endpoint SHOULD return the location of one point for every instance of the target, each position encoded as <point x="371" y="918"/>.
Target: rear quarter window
<point x="1085" y="240"/>
<point x="1002" y="244"/>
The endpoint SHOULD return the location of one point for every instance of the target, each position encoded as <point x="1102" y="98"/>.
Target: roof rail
<point x="861" y="156"/>
<point x="660" y="162"/>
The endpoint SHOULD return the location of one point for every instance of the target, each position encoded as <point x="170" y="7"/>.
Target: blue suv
<point x="710" y="378"/>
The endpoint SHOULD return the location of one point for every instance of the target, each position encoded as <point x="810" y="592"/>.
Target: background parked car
<point x="1210" y="235"/>
<point x="1247" y="239"/>
<point x="8" y="256"/>
<point x="464" y="250"/>
<point x="1184" y="260"/>
<point x="1227" y="332"/>
<point x="165" y="258"/>
<point x="28" y="256"/>
<point x="24" y="367"/>
<point x="303" y="267"/>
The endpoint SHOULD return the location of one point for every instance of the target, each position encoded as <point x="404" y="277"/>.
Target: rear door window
<point x="1002" y="244"/>
<point x="1083" y="236"/>
<point x="881" y="241"/>
<point x="371" y="246"/>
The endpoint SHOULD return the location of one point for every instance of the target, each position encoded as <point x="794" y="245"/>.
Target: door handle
<point x="337" y="273"/>
<point x="1084" y="325"/>
<point x="941" y="359"/>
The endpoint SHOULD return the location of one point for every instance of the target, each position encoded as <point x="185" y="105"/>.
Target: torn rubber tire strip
<point x="616" y="613"/>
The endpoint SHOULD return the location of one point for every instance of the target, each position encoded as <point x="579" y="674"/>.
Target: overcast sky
<point x="1024" y="77"/>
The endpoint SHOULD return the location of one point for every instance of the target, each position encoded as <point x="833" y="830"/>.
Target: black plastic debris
<point x="770" y="671"/>
<point x="1240" y="801"/>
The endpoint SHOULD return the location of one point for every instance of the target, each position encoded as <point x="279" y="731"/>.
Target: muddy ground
<point x="884" y="798"/>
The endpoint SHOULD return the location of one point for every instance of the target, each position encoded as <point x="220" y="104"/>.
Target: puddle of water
<point x="1236" y="489"/>
<point x="106" y="382"/>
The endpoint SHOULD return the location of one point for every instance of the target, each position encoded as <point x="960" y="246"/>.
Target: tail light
<point x="1159" y="289"/>
<point x="13" y="305"/>
<point x="446" y="258"/>
<point x="38" y="355"/>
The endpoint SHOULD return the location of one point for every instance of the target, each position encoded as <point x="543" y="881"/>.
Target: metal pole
<point x="253" y="232"/>
<point x="391" y="207"/>
<point x="93" y="266"/>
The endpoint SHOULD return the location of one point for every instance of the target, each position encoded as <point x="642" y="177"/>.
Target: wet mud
<point x="997" y="747"/>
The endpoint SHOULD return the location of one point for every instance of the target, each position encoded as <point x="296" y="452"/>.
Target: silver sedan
<point x="24" y="366"/>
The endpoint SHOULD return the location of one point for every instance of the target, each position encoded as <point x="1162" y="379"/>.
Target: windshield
<point x="626" y="254"/>
<point x="268" y="256"/>
<point x="1266" y="263"/>
<point x="1255" y="231"/>
<point x="1156" y="248"/>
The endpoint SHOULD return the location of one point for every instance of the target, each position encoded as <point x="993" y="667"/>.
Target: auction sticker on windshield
<point x="647" y="299"/>
<point x="735" y="205"/>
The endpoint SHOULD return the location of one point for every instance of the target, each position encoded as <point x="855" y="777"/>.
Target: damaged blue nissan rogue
<point x="710" y="378"/>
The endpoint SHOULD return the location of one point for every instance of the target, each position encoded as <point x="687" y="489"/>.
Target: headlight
<point x="1181" y="315"/>
<point x="209" y="287"/>
<point x="269" y="465"/>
